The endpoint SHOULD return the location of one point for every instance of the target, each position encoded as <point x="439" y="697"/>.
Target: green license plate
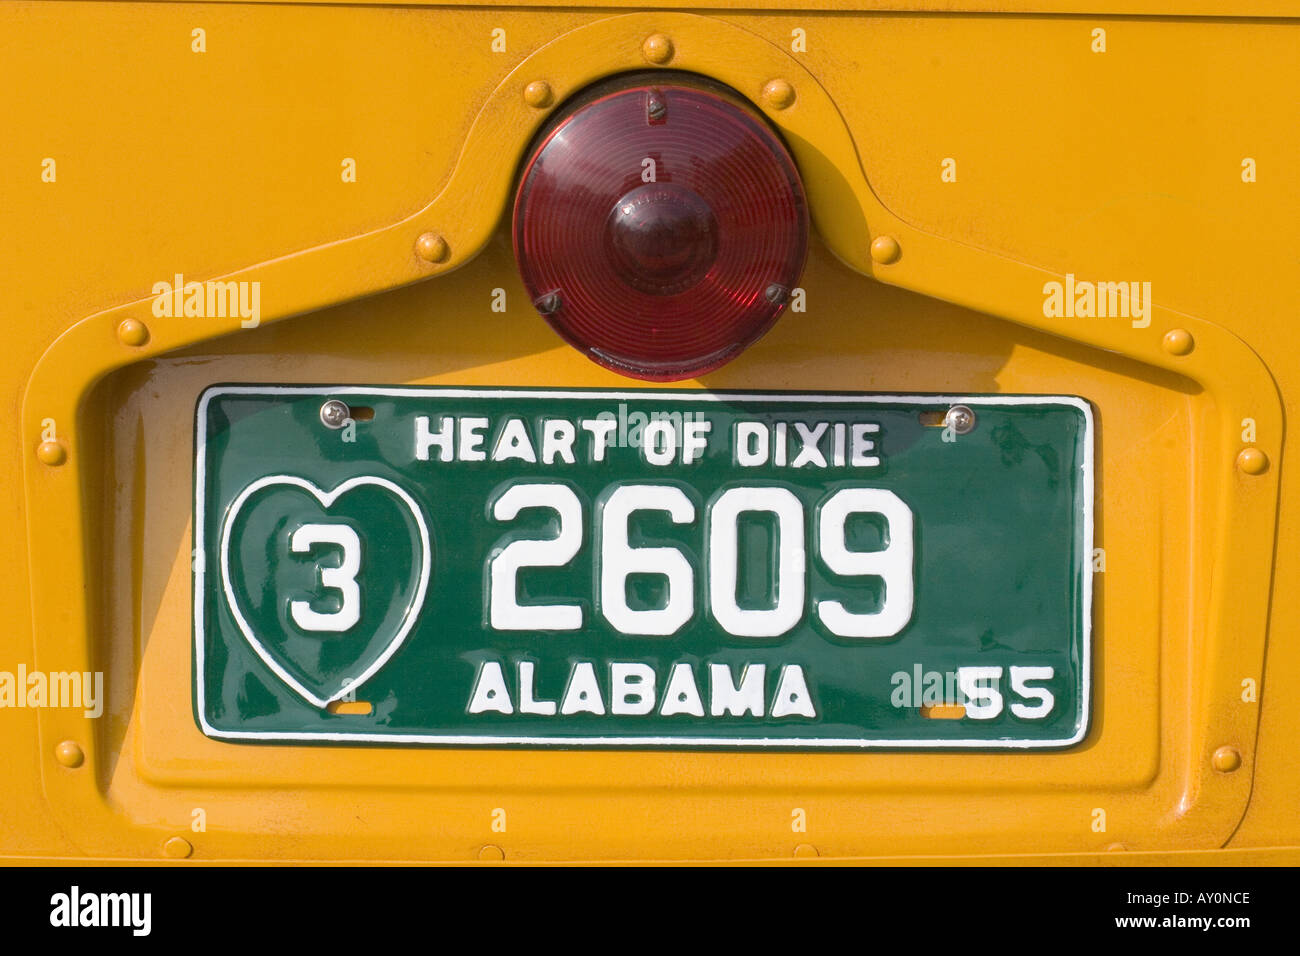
<point x="650" y="568"/>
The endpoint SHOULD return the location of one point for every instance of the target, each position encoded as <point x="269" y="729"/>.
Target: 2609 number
<point x="617" y="559"/>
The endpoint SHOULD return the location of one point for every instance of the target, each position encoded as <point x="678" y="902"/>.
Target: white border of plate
<point x="785" y="743"/>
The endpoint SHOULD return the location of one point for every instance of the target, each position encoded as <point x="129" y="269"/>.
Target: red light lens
<point x="660" y="225"/>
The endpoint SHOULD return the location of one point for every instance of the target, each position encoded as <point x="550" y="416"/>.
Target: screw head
<point x="961" y="419"/>
<point x="538" y="94"/>
<point x="1226" y="759"/>
<point x="177" y="848"/>
<point x="431" y="247"/>
<point x="335" y="414"/>
<point x="1252" y="461"/>
<point x="776" y="293"/>
<point x="549" y="303"/>
<point x="656" y="107"/>
<point x="51" y="453"/>
<point x="806" y="850"/>
<point x="778" y="94"/>
<point x="1178" y="342"/>
<point x="657" y="48"/>
<point x="490" y="853"/>
<point x="885" y="249"/>
<point x="69" y="754"/>
<point x="132" y="332"/>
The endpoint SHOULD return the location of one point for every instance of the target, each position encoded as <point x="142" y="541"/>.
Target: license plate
<point x="651" y="568"/>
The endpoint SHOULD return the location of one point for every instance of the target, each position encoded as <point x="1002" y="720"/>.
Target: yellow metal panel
<point x="226" y="163"/>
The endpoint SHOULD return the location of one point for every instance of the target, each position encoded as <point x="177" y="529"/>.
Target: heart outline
<point x="326" y="500"/>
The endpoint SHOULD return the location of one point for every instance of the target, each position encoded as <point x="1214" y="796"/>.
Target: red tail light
<point x="660" y="225"/>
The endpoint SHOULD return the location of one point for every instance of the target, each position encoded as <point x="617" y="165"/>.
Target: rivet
<point x="1178" y="342"/>
<point x="1116" y="848"/>
<point x="431" y="247"/>
<point x="1227" y="759"/>
<point x="538" y="94"/>
<point x="806" y="850"/>
<point x="178" y="848"/>
<point x="778" y="94"/>
<point x="132" y="332"/>
<point x="884" y="249"/>
<point x="69" y="753"/>
<point x="1252" y="461"/>
<point x="51" y="453"/>
<point x="490" y="853"/>
<point x="657" y="48"/>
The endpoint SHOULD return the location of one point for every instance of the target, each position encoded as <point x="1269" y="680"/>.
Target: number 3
<point x="342" y="578"/>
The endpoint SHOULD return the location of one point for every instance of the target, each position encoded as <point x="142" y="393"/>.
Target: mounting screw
<point x="961" y="419"/>
<point x="549" y="303"/>
<point x="335" y="414"/>
<point x="490" y="853"/>
<point x="657" y="48"/>
<point x="776" y="293"/>
<point x="656" y="107"/>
